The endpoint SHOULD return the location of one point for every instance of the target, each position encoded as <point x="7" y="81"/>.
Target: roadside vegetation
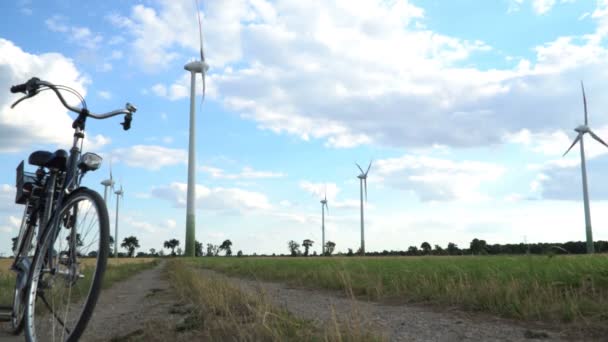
<point x="556" y="289"/>
<point x="219" y="311"/>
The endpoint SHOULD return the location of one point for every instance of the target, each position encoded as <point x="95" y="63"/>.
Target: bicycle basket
<point x="24" y="183"/>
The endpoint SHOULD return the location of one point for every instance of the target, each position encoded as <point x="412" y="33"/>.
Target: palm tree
<point x="171" y="244"/>
<point x="307" y="244"/>
<point x="130" y="243"/>
<point x="225" y="246"/>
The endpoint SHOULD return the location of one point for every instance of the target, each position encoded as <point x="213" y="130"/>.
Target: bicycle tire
<point x="37" y="289"/>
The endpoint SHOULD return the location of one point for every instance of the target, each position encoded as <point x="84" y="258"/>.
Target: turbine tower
<point x="582" y="130"/>
<point x="363" y="184"/>
<point x="194" y="67"/>
<point x="119" y="193"/>
<point x="108" y="183"/>
<point x="323" y="206"/>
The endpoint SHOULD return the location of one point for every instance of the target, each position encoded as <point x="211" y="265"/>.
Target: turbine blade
<point x="584" y="102"/>
<point x="365" y="181"/>
<point x="200" y="30"/>
<point x="597" y="138"/>
<point x="578" y="137"/>
<point x="359" y="168"/>
<point x="368" y="167"/>
<point x="327" y="207"/>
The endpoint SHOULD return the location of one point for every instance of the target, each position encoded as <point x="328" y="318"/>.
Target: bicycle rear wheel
<point x="66" y="274"/>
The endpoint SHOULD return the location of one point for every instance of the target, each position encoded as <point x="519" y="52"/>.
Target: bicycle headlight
<point x="90" y="161"/>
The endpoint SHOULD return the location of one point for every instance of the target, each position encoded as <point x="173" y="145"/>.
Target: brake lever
<point x="22" y="99"/>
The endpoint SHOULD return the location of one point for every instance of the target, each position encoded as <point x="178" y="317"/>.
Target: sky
<point x="465" y="108"/>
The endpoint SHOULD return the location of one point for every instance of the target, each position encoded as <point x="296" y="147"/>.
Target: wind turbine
<point x="363" y="183"/>
<point x="582" y="130"/>
<point x="108" y="183"/>
<point x="119" y="193"/>
<point x="323" y="206"/>
<point x="194" y="67"/>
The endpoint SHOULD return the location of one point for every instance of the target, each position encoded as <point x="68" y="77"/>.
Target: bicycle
<point x="59" y="266"/>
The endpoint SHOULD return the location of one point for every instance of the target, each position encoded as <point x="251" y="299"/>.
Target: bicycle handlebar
<point x="31" y="89"/>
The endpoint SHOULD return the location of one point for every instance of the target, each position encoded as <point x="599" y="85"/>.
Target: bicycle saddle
<point x="57" y="160"/>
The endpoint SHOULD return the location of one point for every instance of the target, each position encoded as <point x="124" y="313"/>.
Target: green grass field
<point x="551" y="289"/>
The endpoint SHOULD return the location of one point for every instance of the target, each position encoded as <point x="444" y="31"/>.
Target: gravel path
<point x="397" y="322"/>
<point x="125" y="308"/>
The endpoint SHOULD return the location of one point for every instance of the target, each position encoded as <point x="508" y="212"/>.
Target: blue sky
<point x="464" y="106"/>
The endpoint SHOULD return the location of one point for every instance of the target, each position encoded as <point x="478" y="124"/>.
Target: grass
<point x="117" y="270"/>
<point x="552" y="289"/>
<point x="215" y="310"/>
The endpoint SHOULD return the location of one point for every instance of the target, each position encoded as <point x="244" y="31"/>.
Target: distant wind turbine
<point x="323" y="206"/>
<point x="363" y="184"/>
<point x="119" y="193"/>
<point x="582" y="130"/>
<point x="194" y="67"/>
<point x="108" y="183"/>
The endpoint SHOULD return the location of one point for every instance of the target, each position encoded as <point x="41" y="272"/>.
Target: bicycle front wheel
<point x="66" y="274"/>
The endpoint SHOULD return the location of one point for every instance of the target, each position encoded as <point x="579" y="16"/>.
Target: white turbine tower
<point x="323" y="207"/>
<point x="194" y="67"/>
<point x="363" y="185"/>
<point x="582" y="130"/>
<point x="108" y="183"/>
<point x="119" y="193"/>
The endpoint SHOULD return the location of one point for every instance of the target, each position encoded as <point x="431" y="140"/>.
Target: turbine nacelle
<point x="107" y="182"/>
<point x="582" y="129"/>
<point x="197" y="67"/>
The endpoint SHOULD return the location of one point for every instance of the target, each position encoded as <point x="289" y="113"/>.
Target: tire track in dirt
<point x="396" y="322"/>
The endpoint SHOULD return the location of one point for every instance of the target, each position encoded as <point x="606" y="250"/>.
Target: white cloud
<point x="150" y="157"/>
<point x="24" y="125"/>
<point x="82" y="36"/>
<point x="434" y="179"/>
<point x="542" y="6"/>
<point x="246" y="173"/>
<point x="215" y="199"/>
<point x="104" y="94"/>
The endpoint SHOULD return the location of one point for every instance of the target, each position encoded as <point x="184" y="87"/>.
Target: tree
<point x="130" y="243"/>
<point x="152" y="252"/>
<point x="412" y="250"/>
<point x="426" y="248"/>
<point x="294" y="248"/>
<point x="198" y="249"/>
<point x="225" y="246"/>
<point x="307" y="244"/>
<point x="453" y="249"/>
<point x="179" y="251"/>
<point x="171" y="244"/>
<point x="329" y="247"/>
<point x="350" y="252"/>
<point x="438" y="250"/>
<point x="239" y="253"/>
<point x="141" y="254"/>
<point x="212" y="250"/>
<point x="478" y="246"/>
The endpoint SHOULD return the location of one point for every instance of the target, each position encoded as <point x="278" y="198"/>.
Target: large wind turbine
<point x="194" y="67"/>
<point x="582" y="130"/>
<point x="323" y="206"/>
<point x="119" y="193"/>
<point x="363" y="184"/>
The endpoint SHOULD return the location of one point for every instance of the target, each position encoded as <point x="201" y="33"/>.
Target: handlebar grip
<point x="20" y="88"/>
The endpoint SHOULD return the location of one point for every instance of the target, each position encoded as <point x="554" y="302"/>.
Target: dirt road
<point x="128" y="309"/>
